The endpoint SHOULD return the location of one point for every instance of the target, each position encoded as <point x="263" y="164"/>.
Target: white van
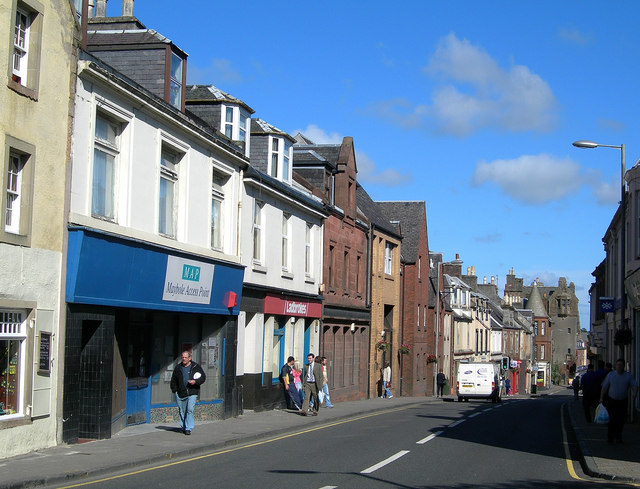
<point x="478" y="381"/>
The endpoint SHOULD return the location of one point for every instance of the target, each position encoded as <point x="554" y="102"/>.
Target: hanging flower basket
<point x="382" y="345"/>
<point x="622" y="337"/>
<point x="404" y="349"/>
<point x="432" y="359"/>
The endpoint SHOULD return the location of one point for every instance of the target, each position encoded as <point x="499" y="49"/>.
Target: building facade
<point x="39" y="62"/>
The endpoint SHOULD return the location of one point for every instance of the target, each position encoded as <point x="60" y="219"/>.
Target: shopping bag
<point x="602" y="415"/>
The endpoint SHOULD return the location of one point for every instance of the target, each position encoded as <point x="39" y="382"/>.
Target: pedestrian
<point x="616" y="386"/>
<point x="386" y="381"/>
<point x="312" y="384"/>
<point x="286" y="378"/>
<point x="296" y="373"/>
<point x="507" y="386"/>
<point x="324" y="394"/>
<point x="591" y="387"/>
<point x="576" y="387"/>
<point x="185" y="383"/>
<point x="440" y="380"/>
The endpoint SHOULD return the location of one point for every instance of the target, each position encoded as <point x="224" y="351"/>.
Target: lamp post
<point x="623" y="211"/>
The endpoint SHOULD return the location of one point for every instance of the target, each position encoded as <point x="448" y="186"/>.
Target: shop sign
<point x="187" y="281"/>
<point x="288" y="307"/>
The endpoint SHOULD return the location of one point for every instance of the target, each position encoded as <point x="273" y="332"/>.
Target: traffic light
<point x="506" y="361"/>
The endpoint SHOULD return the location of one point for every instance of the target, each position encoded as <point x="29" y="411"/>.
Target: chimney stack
<point x="468" y="270"/>
<point x="127" y="8"/>
<point x="493" y="280"/>
<point x="473" y="270"/>
<point x="101" y="8"/>
<point x="484" y="279"/>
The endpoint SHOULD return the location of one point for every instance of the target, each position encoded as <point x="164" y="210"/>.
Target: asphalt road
<point x="519" y="443"/>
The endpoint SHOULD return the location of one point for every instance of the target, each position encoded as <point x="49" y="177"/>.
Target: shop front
<point x="132" y="308"/>
<point x="284" y="325"/>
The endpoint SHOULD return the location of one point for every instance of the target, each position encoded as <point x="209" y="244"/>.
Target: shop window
<point x="277" y="351"/>
<point x="12" y="359"/>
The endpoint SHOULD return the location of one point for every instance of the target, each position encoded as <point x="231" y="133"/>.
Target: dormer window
<point x="280" y="159"/>
<point x="228" y="122"/>
<point x="175" y="88"/>
<point x="242" y="128"/>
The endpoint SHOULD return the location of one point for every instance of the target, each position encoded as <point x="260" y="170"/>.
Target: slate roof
<point x="259" y="127"/>
<point x="328" y="152"/>
<point x="209" y="93"/>
<point x="535" y="302"/>
<point x="373" y="212"/>
<point x="110" y="38"/>
<point x="408" y="216"/>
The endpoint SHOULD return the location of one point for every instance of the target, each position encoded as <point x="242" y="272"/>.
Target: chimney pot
<point x="457" y="256"/>
<point x="468" y="270"/>
<point x="484" y="279"/>
<point x="127" y="8"/>
<point x="473" y="270"/>
<point x="101" y="8"/>
<point x="493" y="280"/>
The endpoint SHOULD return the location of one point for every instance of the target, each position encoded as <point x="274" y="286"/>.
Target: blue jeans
<point x="185" y="407"/>
<point x="387" y="392"/>
<point x="323" y="395"/>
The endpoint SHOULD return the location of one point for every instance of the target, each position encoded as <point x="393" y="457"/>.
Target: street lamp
<point x="623" y="244"/>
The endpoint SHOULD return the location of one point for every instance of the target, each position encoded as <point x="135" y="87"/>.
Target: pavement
<point x="138" y="446"/>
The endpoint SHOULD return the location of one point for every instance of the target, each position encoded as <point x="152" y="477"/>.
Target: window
<point x="16" y="198"/>
<point x="257" y="231"/>
<point x="418" y="317"/>
<point x="273" y="171"/>
<point x="228" y="122"/>
<point x="277" y="351"/>
<point x="242" y="128"/>
<point x="542" y="352"/>
<point x="175" y="86"/>
<point x="218" y="181"/>
<point x="21" y="47"/>
<point x="419" y="267"/>
<point x="285" y="241"/>
<point x="568" y="330"/>
<point x="308" y="236"/>
<point x="14" y="188"/>
<point x="285" y="161"/>
<point x="167" y="196"/>
<point x="535" y="328"/>
<point x="542" y="328"/>
<point x="345" y="272"/>
<point x="388" y="258"/>
<point x="330" y="274"/>
<point x="12" y="357"/>
<point x="105" y="154"/>
<point x="358" y="274"/>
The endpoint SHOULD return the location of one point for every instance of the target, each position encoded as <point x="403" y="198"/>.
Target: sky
<point x="471" y="107"/>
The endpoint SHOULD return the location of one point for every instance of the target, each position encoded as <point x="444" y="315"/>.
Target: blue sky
<point x="469" y="106"/>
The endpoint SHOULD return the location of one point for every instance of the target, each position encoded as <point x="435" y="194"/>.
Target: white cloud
<point x="607" y="193"/>
<point x="532" y="179"/>
<point x="318" y="135"/>
<point x="368" y="173"/>
<point x="220" y="72"/>
<point x="573" y="36"/>
<point x="475" y="93"/>
<point x="367" y="168"/>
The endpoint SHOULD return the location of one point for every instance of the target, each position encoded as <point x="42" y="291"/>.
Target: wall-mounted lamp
<point x="353" y="327"/>
<point x="382" y="333"/>
<point x="293" y="320"/>
<point x="316" y="328"/>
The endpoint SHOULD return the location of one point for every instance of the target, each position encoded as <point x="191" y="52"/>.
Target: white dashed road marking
<point x="387" y="461"/>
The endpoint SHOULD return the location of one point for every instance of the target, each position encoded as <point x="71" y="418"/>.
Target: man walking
<point x="312" y="384"/>
<point x="616" y="386"/>
<point x="323" y="395"/>
<point x="290" y="388"/>
<point x="185" y="383"/>
<point x="440" y="380"/>
<point x="591" y="386"/>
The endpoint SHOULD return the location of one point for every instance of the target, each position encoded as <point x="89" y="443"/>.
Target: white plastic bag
<point x="602" y="415"/>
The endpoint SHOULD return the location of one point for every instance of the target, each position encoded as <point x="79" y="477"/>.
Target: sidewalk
<point x="601" y="459"/>
<point x="152" y="443"/>
<point x="146" y="444"/>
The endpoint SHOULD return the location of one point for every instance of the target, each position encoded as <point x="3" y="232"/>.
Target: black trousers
<point x="440" y="389"/>
<point x="617" y="415"/>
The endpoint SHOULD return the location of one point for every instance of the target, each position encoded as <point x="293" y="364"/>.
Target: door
<point x="138" y="372"/>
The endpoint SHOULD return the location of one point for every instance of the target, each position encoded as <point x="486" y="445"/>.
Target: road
<point x="519" y="443"/>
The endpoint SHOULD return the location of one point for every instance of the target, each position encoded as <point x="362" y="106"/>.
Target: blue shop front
<point x="132" y="308"/>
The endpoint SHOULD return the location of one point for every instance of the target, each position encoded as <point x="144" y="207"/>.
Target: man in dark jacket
<point x="185" y="384"/>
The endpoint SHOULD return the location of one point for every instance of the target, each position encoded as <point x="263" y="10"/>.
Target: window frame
<point x="388" y="258"/>
<point x="169" y="174"/>
<point x="174" y="81"/>
<point x="218" y="194"/>
<point x="16" y="331"/>
<point x="279" y="166"/>
<point x="33" y="10"/>
<point x="110" y="149"/>
<point x="258" y="226"/>
<point x="286" y="248"/>
<point x="27" y="153"/>
<point x="308" y="250"/>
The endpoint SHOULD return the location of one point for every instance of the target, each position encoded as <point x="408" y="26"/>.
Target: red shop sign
<point x="287" y="306"/>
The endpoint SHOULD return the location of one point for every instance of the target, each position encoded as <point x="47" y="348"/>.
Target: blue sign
<point x="607" y="304"/>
